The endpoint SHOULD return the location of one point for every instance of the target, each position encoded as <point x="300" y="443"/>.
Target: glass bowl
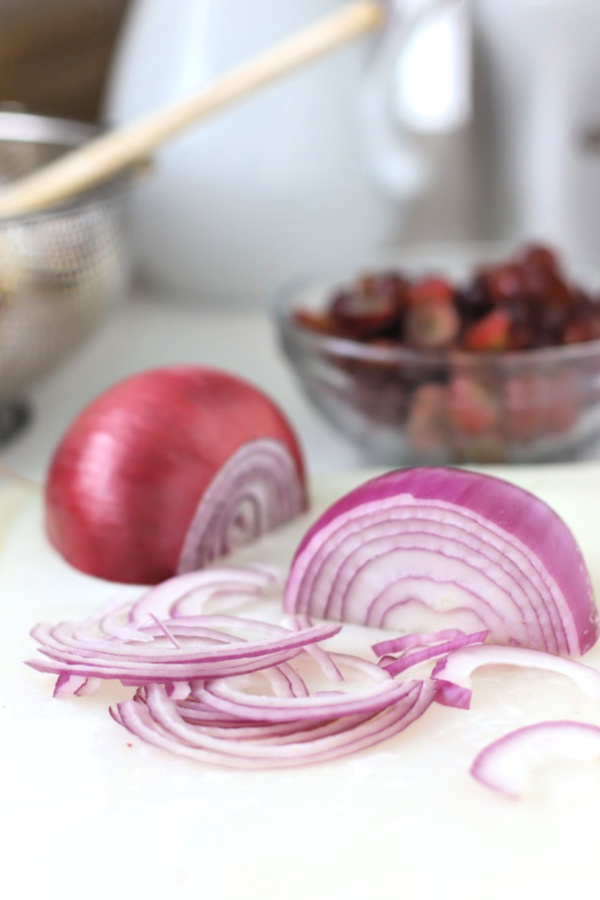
<point x="408" y="407"/>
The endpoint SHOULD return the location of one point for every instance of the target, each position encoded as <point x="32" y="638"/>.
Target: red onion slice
<point x="447" y="548"/>
<point x="324" y="660"/>
<point x="224" y="695"/>
<point x="408" y="660"/>
<point x="189" y="594"/>
<point x="143" y="664"/>
<point x="507" y="764"/>
<point x="456" y="669"/>
<point x="158" y="646"/>
<point x="157" y="720"/>
<point x="414" y="641"/>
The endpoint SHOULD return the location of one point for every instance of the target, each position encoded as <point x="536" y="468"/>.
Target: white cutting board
<point x="89" y="812"/>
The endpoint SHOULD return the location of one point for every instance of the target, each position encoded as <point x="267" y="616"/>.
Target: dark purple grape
<point x="475" y="300"/>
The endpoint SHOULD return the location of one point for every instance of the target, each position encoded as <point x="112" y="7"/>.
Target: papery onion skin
<point x="125" y="482"/>
<point x="502" y="518"/>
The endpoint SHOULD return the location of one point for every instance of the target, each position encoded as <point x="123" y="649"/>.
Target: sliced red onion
<point x="447" y="548"/>
<point x="161" y="644"/>
<point x="155" y="718"/>
<point x="412" y="641"/>
<point x="456" y="669"/>
<point x="324" y="660"/>
<point x="225" y="696"/>
<point x="408" y="660"/>
<point x="68" y="684"/>
<point x="507" y="764"/>
<point x="188" y="595"/>
<point x="168" y="469"/>
<point x="450" y="694"/>
<point x="139" y="663"/>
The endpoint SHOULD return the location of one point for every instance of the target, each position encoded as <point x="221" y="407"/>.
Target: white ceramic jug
<point x="538" y="120"/>
<point x="306" y="171"/>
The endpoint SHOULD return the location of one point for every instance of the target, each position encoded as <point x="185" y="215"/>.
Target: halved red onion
<point x="169" y="469"/>
<point x="444" y="548"/>
<point x="455" y="670"/>
<point x="507" y="764"/>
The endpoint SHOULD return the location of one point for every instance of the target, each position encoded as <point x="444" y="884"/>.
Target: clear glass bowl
<point x="406" y="407"/>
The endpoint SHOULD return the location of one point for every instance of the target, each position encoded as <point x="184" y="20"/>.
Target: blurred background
<point x="460" y="126"/>
<point x="55" y="56"/>
<point x="473" y="124"/>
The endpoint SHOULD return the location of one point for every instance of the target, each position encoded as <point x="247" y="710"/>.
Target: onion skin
<point x="126" y="480"/>
<point x="476" y="522"/>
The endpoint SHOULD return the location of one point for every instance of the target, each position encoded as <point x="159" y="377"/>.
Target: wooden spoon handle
<point x="116" y="150"/>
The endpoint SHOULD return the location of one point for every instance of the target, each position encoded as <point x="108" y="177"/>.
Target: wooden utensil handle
<point x="116" y="150"/>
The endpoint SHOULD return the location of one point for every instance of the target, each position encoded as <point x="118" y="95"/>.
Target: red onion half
<point x="507" y="764"/>
<point x="429" y="549"/>
<point x="169" y="470"/>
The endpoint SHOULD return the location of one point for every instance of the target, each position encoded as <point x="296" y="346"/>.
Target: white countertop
<point x="148" y="331"/>
<point x="97" y="801"/>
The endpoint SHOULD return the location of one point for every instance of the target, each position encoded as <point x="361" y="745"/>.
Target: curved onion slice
<point x="416" y="641"/>
<point x="447" y="548"/>
<point x="176" y="645"/>
<point x="507" y="764"/>
<point x="394" y="666"/>
<point x="456" y="669"/>
<point x="157" y="719"/>
<point x="169" y="469"/>
<point x="225" y="696"/>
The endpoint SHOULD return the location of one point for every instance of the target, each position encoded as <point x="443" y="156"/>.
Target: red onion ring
<point x="207" y="648"/>
<point x="506" y="765"/>
<point x="408" y="660"/>
<point x="456" y="668"/>
<point x="223" y="695"/>
<point x="153" y="717"/>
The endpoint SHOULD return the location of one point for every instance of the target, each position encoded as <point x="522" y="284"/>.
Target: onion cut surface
<point x="169" y="470"/>
<point x="506" y="765"/>
<point x="449" y="549"/>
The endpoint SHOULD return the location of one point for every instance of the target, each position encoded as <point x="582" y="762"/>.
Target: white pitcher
<point x="304" y="172"/>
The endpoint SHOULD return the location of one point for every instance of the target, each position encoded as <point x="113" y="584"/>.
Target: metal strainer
<point x="60" y="270"/>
